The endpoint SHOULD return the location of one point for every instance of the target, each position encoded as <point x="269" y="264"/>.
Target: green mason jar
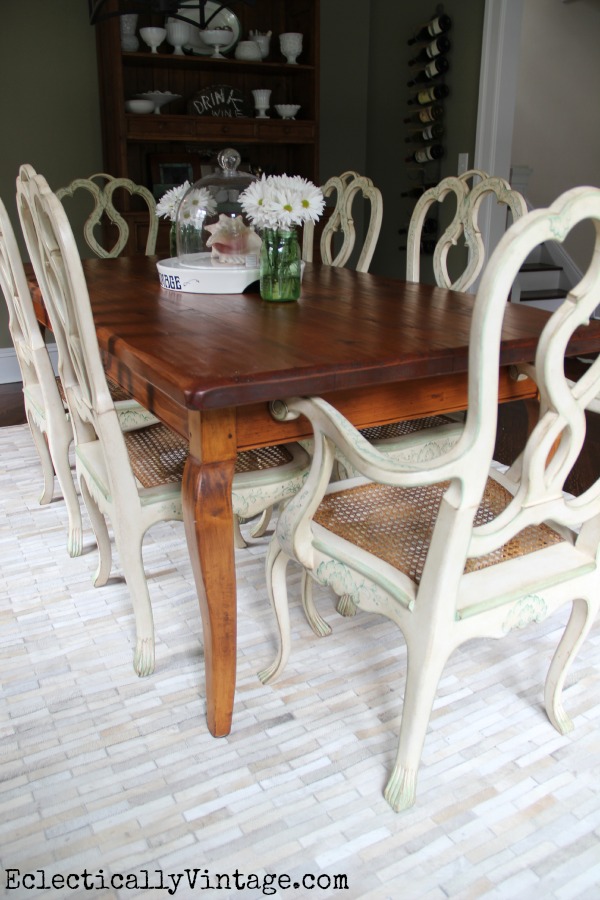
<point x="280" y="264"/>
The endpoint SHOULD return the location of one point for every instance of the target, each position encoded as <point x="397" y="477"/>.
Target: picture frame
<point x="169" y="170"/>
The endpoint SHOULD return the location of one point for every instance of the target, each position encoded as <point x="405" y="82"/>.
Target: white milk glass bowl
<point x="153" y="37"/>
<point x="287" y="110"/>
<point x="217" y="38"/>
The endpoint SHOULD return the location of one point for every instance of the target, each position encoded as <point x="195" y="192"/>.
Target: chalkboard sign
<point x="219" y="100"/>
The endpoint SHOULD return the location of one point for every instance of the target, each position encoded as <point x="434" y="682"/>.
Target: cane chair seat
<point x="158" y="456"/>
<point x="396" y="524"/>
<point x="449" y="547"/>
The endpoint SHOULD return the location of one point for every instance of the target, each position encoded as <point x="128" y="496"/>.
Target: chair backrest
<point x="464" y="224"/>
<point x="37" y="374"/>
<point x="557" y="439"/>
<point x="347" y="187"/>
<point x="55" y="259"/>
<point x="102" y="188"/>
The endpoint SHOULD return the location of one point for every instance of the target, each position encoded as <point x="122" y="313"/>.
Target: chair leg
<point x="98" y="523"/>
<point x="424" y="669"/>
<point x="54" y="457"/>
<point x="130" y="552"/>
<point x="315" y="620"/>
<point x="46" y="462"/>
<point x="59" y="448"/>
<point x="238" y="538"/>
<point x="576" y="630"/>
<point x="277" y="588"/>
<point x="263" y="523"/>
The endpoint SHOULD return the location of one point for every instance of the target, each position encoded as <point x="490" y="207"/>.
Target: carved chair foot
<point x="143" y="660"/>
<point x="346" y="606"/>
<point x="401" y="789"/>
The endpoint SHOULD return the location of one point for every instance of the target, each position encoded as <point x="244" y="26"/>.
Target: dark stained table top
<point x="347" y="330"/>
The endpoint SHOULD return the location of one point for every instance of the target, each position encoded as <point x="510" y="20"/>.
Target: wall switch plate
<point x="463" y="163"/>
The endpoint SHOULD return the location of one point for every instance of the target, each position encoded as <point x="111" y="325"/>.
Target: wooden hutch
<point x="141" y="146"/>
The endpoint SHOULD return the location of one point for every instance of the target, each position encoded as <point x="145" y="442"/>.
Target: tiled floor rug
<point x="112" y="786"/>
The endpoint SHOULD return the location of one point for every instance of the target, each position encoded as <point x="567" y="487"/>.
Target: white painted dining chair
<point x="347" y="189"/>
<point x="464" y="225"/>
<point x="443" y="430"/>
<point x="46" y="413"/>
<point x="131" y="414"/>
<point x="44" y="401"/>
<point x="133" y="478"/>
<point x="102" y="188"/>
<point x="450" y="549"/>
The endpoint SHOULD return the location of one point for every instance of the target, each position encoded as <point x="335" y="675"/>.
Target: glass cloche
<point x="211" y="225"/>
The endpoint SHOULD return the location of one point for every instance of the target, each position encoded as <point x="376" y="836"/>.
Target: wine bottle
<point x="440" y="45"/>
<point x="431" y="133"/>
<point x="432" y="70"/>
<point x="426" y="154"/>
<point x="436" y="26"/>
<point x="428" y="114"/>
<point x="429" y="94"/>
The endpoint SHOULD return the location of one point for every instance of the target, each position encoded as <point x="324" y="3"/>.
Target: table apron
<point x="365" y="407"/>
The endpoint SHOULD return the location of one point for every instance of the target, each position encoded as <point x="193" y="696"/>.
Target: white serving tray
<point x="206" y="277"/>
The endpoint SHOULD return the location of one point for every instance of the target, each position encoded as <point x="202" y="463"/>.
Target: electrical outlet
<point x="463" y="163"/>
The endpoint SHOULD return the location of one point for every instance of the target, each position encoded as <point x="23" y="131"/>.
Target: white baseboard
<point x="9" y="367"/>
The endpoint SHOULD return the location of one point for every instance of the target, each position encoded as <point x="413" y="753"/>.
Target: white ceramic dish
<point x="159" y="98"/>
<point x="248" y="50"/>
<point x="287" y="110"/>
<point x="139" y="106"/>
<point x="224" y="19"/>
<point x="207" y="277"/>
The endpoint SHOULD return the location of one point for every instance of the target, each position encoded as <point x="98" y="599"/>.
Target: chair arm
<point x="328" y="422"/>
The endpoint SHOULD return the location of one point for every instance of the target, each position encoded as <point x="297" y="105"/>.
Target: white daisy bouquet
<point x="282" y="201"/>
<point x="199" y="198"/>
<point x="168" y="203"/>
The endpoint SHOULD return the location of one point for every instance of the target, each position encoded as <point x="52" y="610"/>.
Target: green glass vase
<point x="280" y="265"/>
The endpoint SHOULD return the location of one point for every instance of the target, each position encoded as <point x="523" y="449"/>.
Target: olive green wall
<point x="50" y="114"/>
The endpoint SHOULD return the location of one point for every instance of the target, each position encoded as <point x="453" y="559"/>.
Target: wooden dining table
<point x="207" y="365"/>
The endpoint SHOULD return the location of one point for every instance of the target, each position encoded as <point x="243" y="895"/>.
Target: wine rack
<point x="428" y="67"/>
